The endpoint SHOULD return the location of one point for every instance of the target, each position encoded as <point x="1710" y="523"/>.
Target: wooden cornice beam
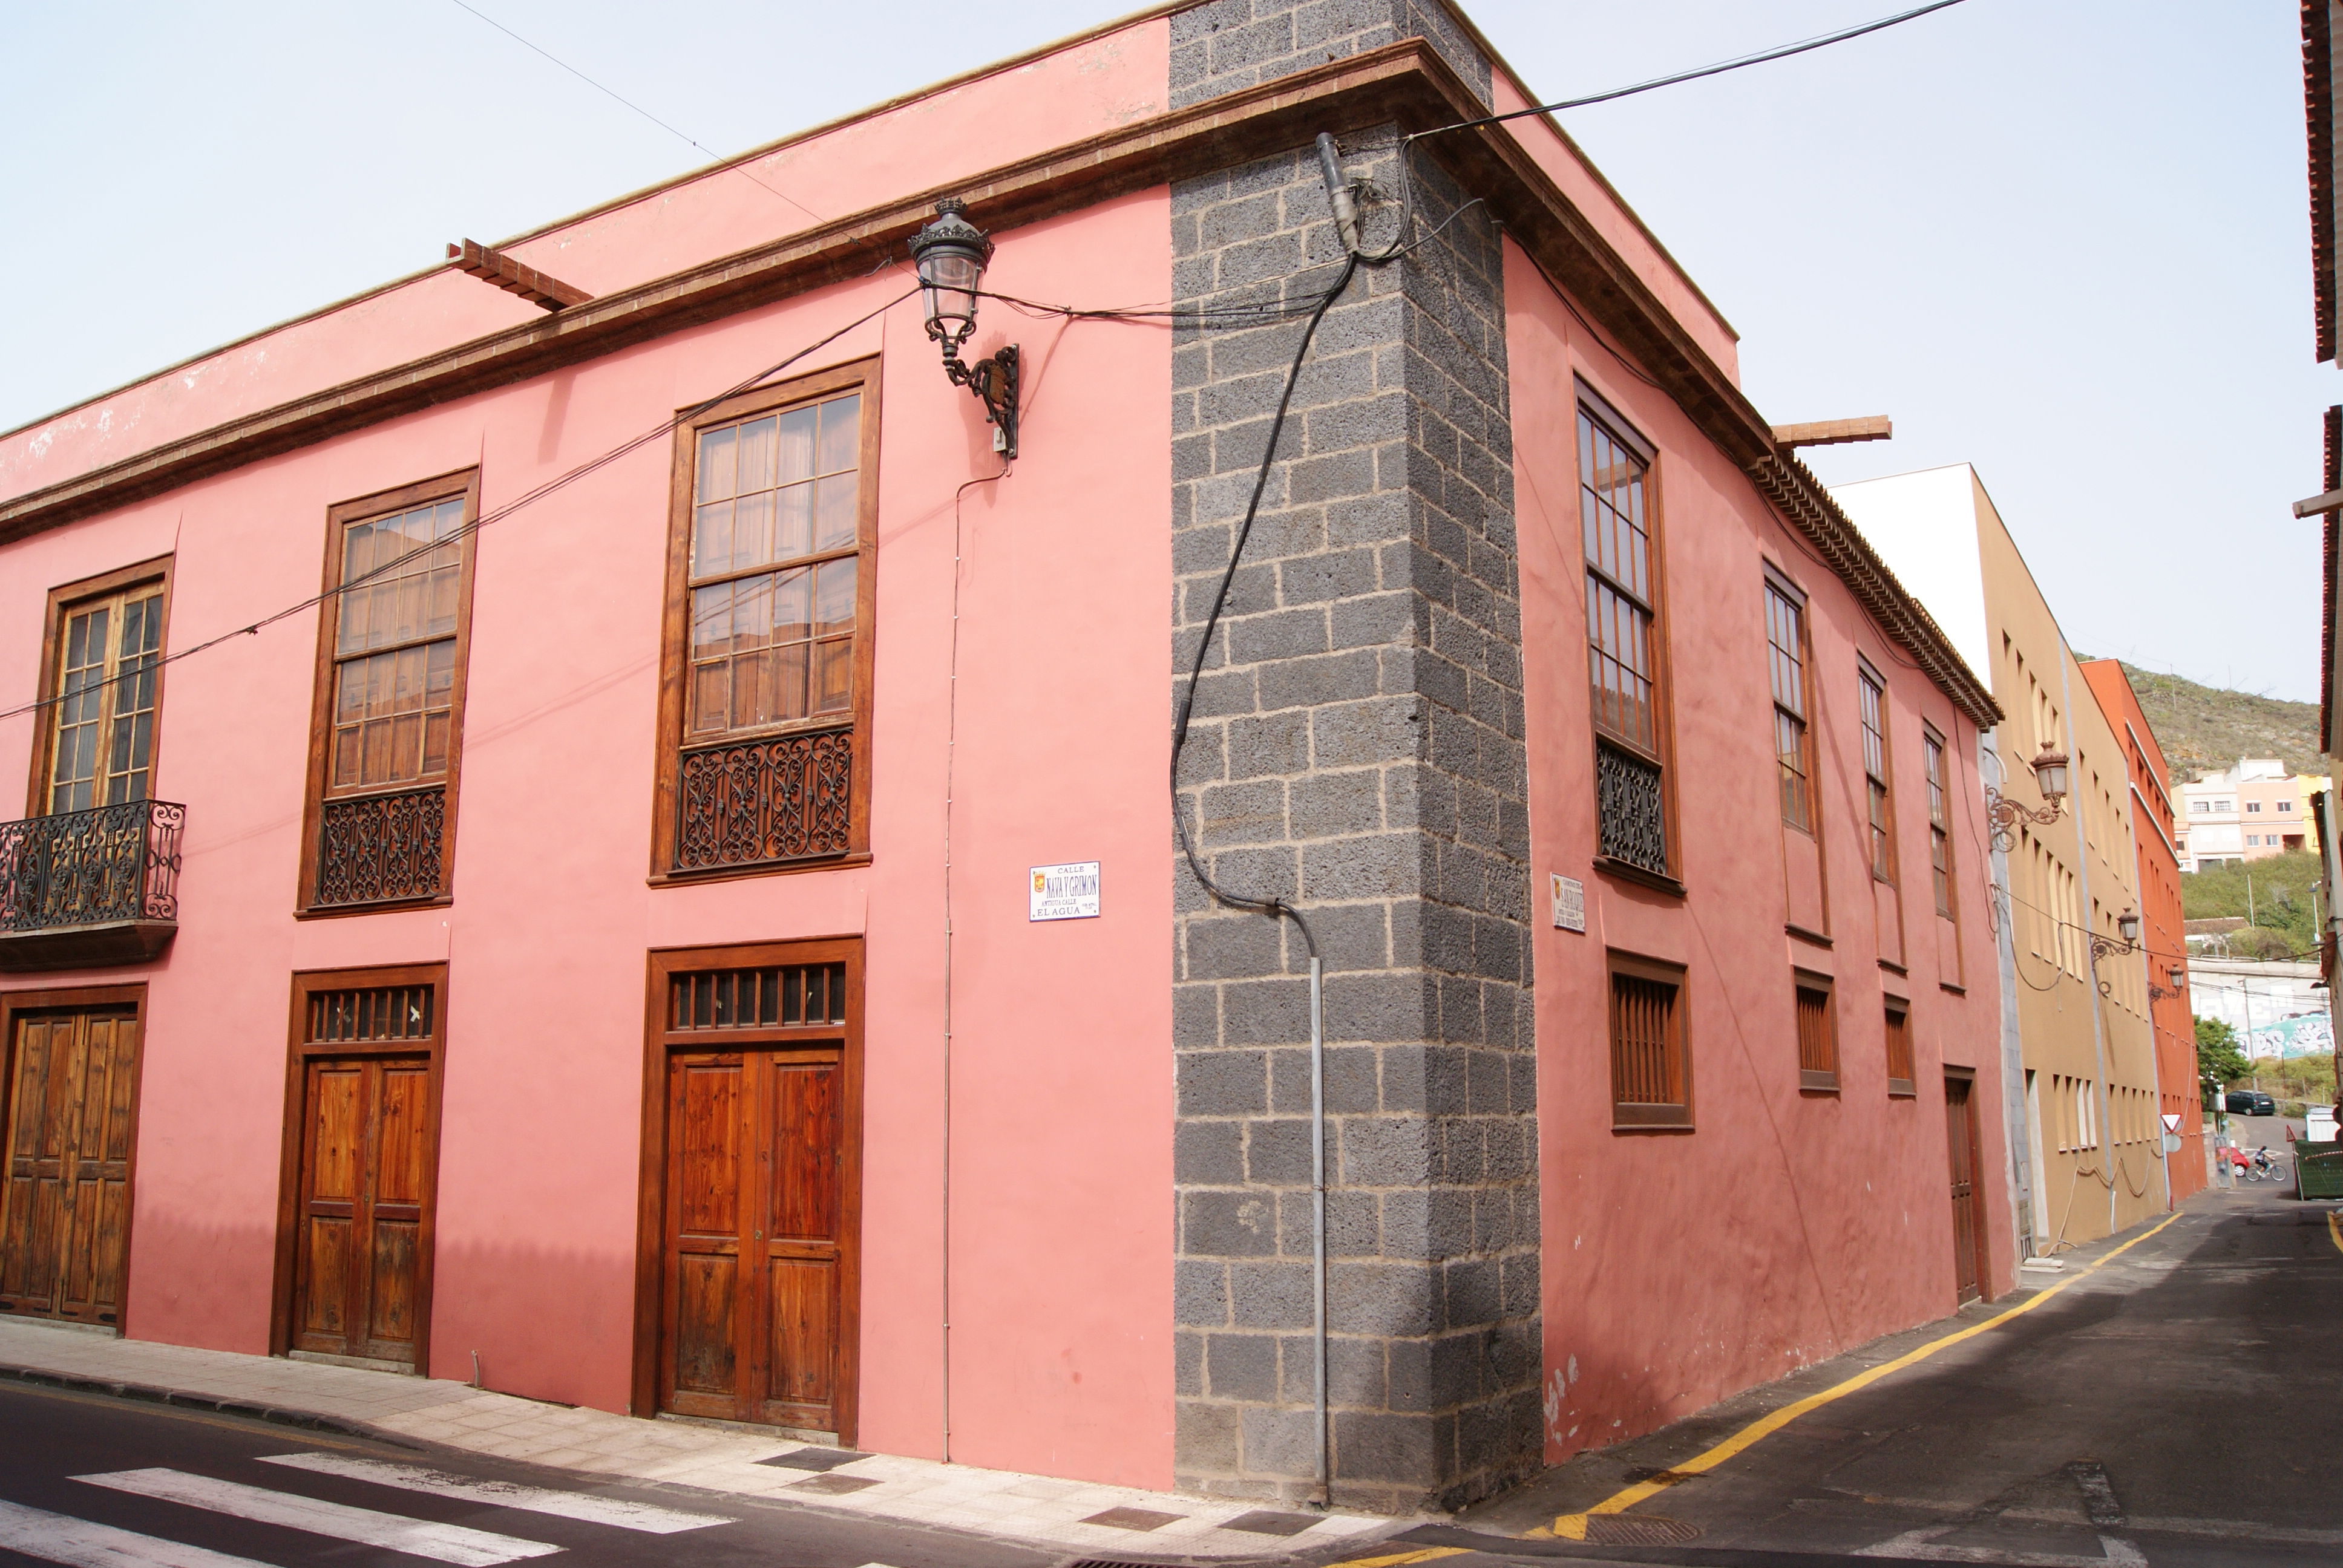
<point x="495" y="266"/>
<point x="1835" y="432"/>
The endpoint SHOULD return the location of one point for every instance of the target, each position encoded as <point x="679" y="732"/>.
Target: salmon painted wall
<point x="1060" y="1096"/>
<point x="2162" y="932"/>
<point x="1789" y="1226"/>
<point x="1087" y="86"/>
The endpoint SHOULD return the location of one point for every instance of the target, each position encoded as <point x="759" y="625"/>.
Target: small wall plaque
<point x="1569" y="904"/>
<point x="1068" y="892"/>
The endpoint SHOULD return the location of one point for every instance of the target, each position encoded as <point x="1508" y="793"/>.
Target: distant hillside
<point x="2203" y="728"/>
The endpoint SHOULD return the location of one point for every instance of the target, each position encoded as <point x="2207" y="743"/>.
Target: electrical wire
<point x="1270" y="906"/>
<point x="496" y="515"/>
<point x="637" y="108"/>
<point x="1782" y="52"/>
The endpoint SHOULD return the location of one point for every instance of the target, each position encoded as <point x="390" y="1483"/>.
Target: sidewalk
<point x="1077" y="1516"/>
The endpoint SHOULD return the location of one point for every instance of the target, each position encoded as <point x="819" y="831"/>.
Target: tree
<point x="2217" y="1056"/>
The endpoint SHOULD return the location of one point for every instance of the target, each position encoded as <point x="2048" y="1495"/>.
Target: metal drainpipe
<point x="1317" y="1213"/>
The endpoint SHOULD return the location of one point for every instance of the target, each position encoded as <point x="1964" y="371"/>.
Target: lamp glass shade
<point x="2178" y="977"/>
<point x="951" y="253"/>
<point x="2050" y="773"/>
<point x="2127" y="924"/>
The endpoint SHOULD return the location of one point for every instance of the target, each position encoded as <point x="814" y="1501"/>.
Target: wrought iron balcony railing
<point x="789" y="797"/>
<point x="93" y="887"/>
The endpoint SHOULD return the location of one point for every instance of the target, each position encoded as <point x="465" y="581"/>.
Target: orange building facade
<point x="2154" y="840"/>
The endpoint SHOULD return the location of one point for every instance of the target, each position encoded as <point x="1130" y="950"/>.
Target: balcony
<point x="85" y="888"/>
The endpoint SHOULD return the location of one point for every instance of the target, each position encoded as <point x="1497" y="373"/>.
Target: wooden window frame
<point x="1631" y="1116"/>
<point x="1897" y="1014"/>
<point x="1880" y="833"/>
<point x="14" y="1004"/>
<point x="1592" y="405"/>
<point x="465" y="482"/>
<point x="299" y="1054"/>
<point x="1814" y="1079"/>
<point x="1778" y="582"/>
<point x="650" y="1216"/>
<point x="674" y="651"/>
<point x="62" y="600"/>
<point x="1940" y="826"/>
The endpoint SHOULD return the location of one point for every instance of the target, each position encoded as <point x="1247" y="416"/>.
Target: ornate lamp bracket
<point x="2003" y="815"/>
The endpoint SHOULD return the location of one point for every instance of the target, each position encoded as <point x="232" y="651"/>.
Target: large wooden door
<point x="65" y="1228"/>
<point x="365" y="1176"/>
<point x="758" y="1256"/>
<point x="360" y="1166"/>
<point x="1961" y="1143"/>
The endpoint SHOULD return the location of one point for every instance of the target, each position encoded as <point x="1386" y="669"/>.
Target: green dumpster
<point x="2318" y="1169"/>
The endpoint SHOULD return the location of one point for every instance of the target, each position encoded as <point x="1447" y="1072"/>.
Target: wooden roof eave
<point x="1405" y="83"/>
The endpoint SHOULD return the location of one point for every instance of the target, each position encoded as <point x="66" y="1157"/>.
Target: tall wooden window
<point x="1650" y="1066"/>
<point x="103" y="681"/>
<point x="765" y="757"/>
<point x="1785" y="642"/>
<point x="1817" y="1033"/>
<point x="1623" y="642"/>
<point x="1901" y="1078"/>
<point x="387" y="729"/>
<point x="1940" y="836"/>
<point x="1872" y="692"/>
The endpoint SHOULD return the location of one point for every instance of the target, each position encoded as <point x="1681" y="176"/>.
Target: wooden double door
<point x="364" y="1177"/>
<point x="757" y="1265"/>
<point x="65" y="1226"/>
<point x="361" y="1165"/>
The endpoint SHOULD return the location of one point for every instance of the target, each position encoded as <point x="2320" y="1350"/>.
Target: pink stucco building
<point x="589" y="924"/>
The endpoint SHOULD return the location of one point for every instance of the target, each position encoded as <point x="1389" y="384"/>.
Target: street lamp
<point x="950" y="255"/>
<point x="2179" y="979"/>
<point x="2003" y="814"/>
<point x="2127" y="927"/>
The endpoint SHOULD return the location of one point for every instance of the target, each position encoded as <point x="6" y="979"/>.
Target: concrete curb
<point x="180" y="1397"/>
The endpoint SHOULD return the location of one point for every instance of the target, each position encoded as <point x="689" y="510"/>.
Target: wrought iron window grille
<point x="381" y="848"/>
<point x="1631" y="811"/>
<point x="757" y="802"/>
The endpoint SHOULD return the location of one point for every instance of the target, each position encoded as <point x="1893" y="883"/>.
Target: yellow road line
<point x="1424" y="1554"/>
<point x="2334" y="1231"/>
<point x="1573" y="1526"/>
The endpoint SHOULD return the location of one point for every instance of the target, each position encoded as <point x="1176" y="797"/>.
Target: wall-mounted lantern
<point x="2003" y="814"/>
<point x="950" y="255"/>
<point x="2127" y="927"/>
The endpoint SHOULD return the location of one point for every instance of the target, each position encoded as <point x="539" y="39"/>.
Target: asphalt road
<point x="2180" y="1406"/>
<point x="76" y="1468"/>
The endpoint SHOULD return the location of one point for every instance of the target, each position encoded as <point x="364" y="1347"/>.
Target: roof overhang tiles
<point x="2319" y="27"/>
<point x="1404" y="82"/>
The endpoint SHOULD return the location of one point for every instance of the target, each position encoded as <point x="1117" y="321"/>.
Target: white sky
<point x="2067" y="242"/>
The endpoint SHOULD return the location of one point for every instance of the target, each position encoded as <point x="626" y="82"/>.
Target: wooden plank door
<point x="365" y="1184"/>
<point x="65" y="1224"/>
<point x="1961" y="1143"/>
<point x="755" y="1249"/>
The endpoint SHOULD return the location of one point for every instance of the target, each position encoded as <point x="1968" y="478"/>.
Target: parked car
<point x="2251" y="1102"/>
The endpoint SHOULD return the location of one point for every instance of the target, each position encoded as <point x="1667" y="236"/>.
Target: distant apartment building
<point x="2079" y="1063"/>
<point x="2249" y="812"/>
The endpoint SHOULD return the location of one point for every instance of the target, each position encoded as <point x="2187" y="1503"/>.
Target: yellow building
<point x="2079" y="1048"/>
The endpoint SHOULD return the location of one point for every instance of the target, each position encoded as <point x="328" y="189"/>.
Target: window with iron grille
<point x="1817" y="1033"/>
<point x="373" y="1013"/>
<point x="1651" y="1067"/>
<point x="1785" y="645"/>
<point x="782" y="997"/>
<point x="1901" y="1078"/>
<point x="388" y="720"/>
<point x="1623" y="641"/>
<point x="1872" y="692"/>
<point x="764" y="757"/>
<point x="1940" y="836"/>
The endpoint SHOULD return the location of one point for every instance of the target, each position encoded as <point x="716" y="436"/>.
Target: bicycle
<point x="2262" y="1168"/>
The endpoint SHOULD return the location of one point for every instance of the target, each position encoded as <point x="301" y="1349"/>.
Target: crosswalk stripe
<point x="582" y="1505"/>
<point x="456" y="1543"/>
<point x="60" y="1538"/>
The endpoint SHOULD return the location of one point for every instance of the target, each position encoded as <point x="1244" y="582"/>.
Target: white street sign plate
<point x="1068" y="892"/>
<point x="1569" y="904"/>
